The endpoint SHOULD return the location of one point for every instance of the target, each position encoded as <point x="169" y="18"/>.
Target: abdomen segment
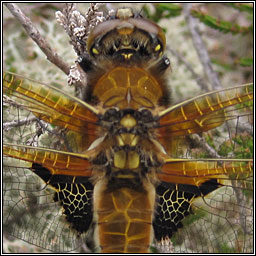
<point x="124" y="218"/>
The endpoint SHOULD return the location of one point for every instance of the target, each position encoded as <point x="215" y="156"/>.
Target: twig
<point x="200" y="141"/>
<point x="201" y="49"/>
<point x="8" y="101"/>
<point x="39" y="40"/>
<point x="200" y="81"/>
<point x="78" y="27"/>
<point x="40" y="129"/>
<point x="245" y="128"/>
<point x="8" y="125"/>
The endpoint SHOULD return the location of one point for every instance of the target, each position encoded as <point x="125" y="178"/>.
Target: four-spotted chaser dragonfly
<point x="123" y="170"/>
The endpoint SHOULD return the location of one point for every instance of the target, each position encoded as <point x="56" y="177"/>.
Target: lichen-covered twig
<point x="32" y="31"/>
<point x="78" y="27"/>
<point x="201" y="142"/>
<point x="200" y="81"/>
<point x="8" y="125"/>
<point x="201" y="49"/>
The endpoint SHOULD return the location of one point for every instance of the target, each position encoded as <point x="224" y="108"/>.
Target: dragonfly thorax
<point x="129" y="143"/>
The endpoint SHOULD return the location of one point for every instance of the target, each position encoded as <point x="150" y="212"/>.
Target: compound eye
<point x="111" y="114"/>
<point x="146" y="115"/>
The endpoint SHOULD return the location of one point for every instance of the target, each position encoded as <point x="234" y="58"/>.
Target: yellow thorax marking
<point x="127" y="55"/>
<point x="129" y="160"/>
<point x="128" y="121"/>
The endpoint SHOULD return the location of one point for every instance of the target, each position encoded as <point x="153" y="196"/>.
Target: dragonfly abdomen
<point x="123" y="217"/>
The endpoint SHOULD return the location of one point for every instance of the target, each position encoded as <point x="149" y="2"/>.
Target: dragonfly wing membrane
<point x="49" y="104"/>
<point x="204" y="112"/>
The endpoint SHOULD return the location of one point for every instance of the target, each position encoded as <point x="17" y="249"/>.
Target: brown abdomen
<point x="124" y="218"/>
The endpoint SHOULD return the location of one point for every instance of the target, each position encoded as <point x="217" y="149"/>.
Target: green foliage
<point x="225" y="66"/>
<point x="163" y="10"/>
<point x="241" y="146"/>
<point x="244" y="145"/>
<point x="210" y="141"/>
<point x="224" y="248"/>
<point x="225" y="149"/>
<point x="248" y="193"/>
<point x="221" y="25"/>
<point x="153" y="249"/>
<point x="199" y="214"/>
<point x="9" y="61"/>
<point x="173" y="10"/>
<point x="246" y="62"/>
<point x="247" y="7"/>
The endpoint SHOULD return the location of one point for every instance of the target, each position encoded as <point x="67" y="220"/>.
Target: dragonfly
<point x="120" y="167"/>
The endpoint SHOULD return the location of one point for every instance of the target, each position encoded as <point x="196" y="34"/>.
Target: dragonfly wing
<point x="204" y="113"/>
<point x="51" y="104"/>
<point x="66" y="184"/>
<point x="197" y="172"/>
<point x="174" y="204"/>
<point x="189" y="187"/>
<point x="58" y="162"/>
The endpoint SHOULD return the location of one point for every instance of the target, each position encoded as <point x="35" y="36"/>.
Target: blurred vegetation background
<point x="225" y="28"/>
